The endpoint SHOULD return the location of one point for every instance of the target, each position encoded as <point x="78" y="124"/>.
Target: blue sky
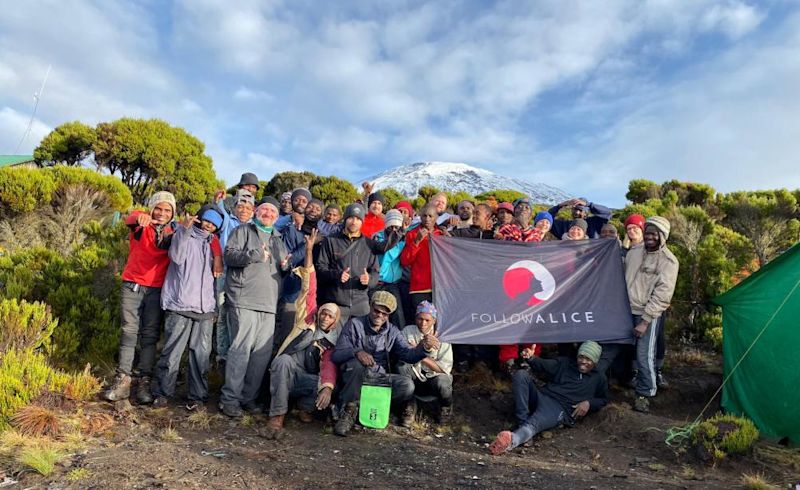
<point x="583" y="95"/>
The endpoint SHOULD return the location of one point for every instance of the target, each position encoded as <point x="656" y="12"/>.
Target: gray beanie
<point x="354" y="209"/>
<point x="301" y="191"/>
<point x="393" y="218"/>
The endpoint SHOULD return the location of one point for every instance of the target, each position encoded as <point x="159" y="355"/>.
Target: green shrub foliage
<point x="723" y="435"/>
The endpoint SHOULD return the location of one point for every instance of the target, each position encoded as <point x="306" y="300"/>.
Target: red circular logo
<point x="529" y="277"/>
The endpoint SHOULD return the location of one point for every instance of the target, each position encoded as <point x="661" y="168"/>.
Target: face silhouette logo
<point x="529" y="279"/>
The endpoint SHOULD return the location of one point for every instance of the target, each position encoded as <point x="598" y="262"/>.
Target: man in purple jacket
<point x="190" y="304"/>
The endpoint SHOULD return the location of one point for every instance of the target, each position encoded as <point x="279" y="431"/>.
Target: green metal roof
<point x="11" y="160"/>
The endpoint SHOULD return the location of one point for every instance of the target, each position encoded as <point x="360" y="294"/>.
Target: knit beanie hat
<point x="212" y="216"/>
<point x="405" y="205"/>
<point x="635" y="219"/>
<point x="590" y="350"/>
<point x="301" y="191"/>
<point x="661" y="223"/>
<point x="376" y="196"/>
<point x="162" y="196"/>
<point x="286" y="196"/>
<point x="543" y="215"/>
<point x="248" y="178"/>
<point x="354" y="209"/>
<point x="580" y="223"/>
<point x="507" y="206"/>
<point x="385" y="299"/>
<point x="269" y="200"/>
<point x="393" y="218"/>
<point x="427" y="307"/>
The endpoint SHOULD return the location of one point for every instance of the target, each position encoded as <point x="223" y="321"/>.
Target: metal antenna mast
<point x="36" y="98"/>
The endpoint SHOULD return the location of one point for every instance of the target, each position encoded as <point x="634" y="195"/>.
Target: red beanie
<point x="635" y="219"/>
<point x="407" y="206"/>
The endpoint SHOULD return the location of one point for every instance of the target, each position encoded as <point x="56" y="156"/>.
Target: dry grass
<point x="774" y="455"/>
<point x="757" y="482"/>
<point x="169" y="434"/>
<point x="82" y="386"/>
<point x="201" y="419"/>
<point x="36" y="421"/>
<point x="691" y="356"/>
<point x="246" y="420"/>
<point x="43" y="458"/>
<point x="96" y="423"/>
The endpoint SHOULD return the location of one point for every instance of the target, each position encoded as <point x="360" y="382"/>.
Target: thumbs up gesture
<point x="345" y="275"/>
<point x="364" y="278"/>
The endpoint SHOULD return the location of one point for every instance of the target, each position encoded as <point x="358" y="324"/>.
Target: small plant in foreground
<point x="722" y="435"/>
<point x="36" y="421"/>
<point x="43" y="459"/>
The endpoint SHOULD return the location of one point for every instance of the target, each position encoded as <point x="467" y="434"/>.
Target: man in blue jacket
<point x="580" y="210"/>
<point x="575" y="389"/>
<point x="364" y="347"/>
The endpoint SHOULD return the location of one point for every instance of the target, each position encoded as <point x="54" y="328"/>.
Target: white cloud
<point x="13" y="126"/>
<point x="735" y="19"/>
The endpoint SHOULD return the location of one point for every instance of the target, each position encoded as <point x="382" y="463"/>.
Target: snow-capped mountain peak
<point x="455" y="177"/>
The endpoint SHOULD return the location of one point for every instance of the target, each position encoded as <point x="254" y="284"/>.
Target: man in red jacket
<point x="140" y="300"/>
<point x="416" y="255"/>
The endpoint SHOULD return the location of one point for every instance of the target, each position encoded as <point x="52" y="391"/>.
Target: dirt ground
<point x="617" y="448"/>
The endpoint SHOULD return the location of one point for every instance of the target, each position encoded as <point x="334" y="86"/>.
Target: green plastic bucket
<point x="376" y="402"/>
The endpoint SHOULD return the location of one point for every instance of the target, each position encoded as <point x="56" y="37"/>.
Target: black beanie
<point x="354" y="209"/>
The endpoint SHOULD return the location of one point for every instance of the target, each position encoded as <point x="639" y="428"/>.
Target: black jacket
<point x="473" y="232"/>
<point x="568" y="386"/>
<point x="333" y="261"/>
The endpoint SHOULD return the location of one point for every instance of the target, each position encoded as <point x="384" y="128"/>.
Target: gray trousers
<point x="646" y="359"/>
<point x="180" y="331"/>
<point x="249" y="354"/>
<point x="535" y="411"/>
<point x="223" y="337"/>
<point x="440" y="386"/>
<point x="288" y="380"/>
<point x="353" y="377"/>
<point x="140" y="319"/>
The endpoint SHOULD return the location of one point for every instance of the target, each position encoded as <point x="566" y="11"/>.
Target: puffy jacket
<point x="650" y="277"/>
<point x="373" y="223"/>
<point x="189" y="285"/>
<point x="357" y="335"/>
<point x="333" y="261"/>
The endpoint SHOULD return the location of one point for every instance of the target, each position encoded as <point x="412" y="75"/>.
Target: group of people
<point x="303" y="301"/>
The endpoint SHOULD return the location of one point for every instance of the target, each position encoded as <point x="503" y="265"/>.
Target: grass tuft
<point x="36" y="421"/>
<point x="201" y="419"/>
<point x="42" y="459"/>
<point x="756" y="481"/>
<point x="246" y="420"/>
<point x="78" y="474"/>
<point x="169" y="434"/>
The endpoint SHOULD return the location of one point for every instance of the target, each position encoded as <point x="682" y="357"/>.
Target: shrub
<point x="24" y="375"/>
<point x="25" y="325"/>
<point x="722" y="435"/>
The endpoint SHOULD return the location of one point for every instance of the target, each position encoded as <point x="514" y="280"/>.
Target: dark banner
<point x="496" y="292"/>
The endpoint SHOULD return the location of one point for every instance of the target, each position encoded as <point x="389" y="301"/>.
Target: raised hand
<point x="189" y="220"/>
<point x="364" y="278"/>
<point x="345" y="275"/>
<point x="144" y="219"/>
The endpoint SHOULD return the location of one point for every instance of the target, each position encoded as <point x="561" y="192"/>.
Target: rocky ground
<point x="617" y="448"/>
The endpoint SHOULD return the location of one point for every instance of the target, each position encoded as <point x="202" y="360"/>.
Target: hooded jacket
<point x="651" y="276"/>
<point x="147" y="257"/>
<point x="310" y="345"/>
<point x="251" y="282"/>
<point x="417" y="256"/>
<point x="189" y="285"/>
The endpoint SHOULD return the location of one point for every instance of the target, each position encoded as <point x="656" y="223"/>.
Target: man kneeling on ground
<point x="302" y="368"/>
<point x="364" y="347"/>
<point x="575" y="389"/>
<point x="431" y="375"/>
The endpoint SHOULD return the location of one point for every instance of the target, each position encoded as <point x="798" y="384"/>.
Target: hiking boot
<point x="253" y="408"/>
<point x="661" y="382"/>
<point x="445" y="415"/>
<point x="305" y="416"/>
<point x="409" y="412"/>
<point x="641" y="404"/>
<point x="161" y="402"/>
<point x="232" y="410"/>
<point x="346" y="420"/>
<point x="143" y="394"/>
<point x="120" y="389"/>
<point x="501" y="443"/>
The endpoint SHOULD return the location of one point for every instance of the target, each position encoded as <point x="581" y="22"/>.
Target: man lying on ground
<point x="574" y="390"/>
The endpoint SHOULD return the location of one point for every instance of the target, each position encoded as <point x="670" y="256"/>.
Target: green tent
<point x="766" y="385"/>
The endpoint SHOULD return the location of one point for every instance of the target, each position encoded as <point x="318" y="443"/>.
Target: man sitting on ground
<point x="364" y="346"/>
<point x="432" y="374"/>
<point x="575" y="389"/>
